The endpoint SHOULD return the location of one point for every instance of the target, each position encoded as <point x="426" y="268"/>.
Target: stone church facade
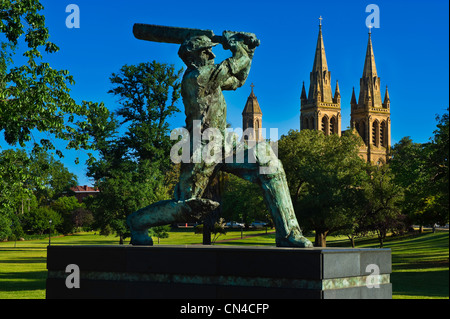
<point x="370" y="116"/>
<point x="321" y="110"/>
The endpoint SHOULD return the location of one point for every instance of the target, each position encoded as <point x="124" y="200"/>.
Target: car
<point x="234" y="224"/>
<point x="258" y="224"/>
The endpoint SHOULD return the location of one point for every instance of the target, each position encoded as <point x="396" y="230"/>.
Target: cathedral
<point x="370" y="116"/>
<point x="321" y="110"/>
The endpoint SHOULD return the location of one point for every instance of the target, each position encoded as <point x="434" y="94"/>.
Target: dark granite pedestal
<point x="218" y="272"/>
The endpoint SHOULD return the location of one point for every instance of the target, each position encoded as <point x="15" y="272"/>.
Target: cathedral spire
<point x="320" y="86"/>
<point x="387" y="100"/>
<point x="337" y="94"/>
<point x="370" y="94"/>
<point x="353" y="102"/>
<point x="303" y="97"/>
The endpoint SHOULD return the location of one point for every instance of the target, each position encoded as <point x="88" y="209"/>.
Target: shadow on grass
<point x="25" y="260"/>
<point x="20" y="281"/>
<point x="415" y="283"/>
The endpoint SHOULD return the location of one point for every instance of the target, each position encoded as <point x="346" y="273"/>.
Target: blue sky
<point x="411" y="51"/>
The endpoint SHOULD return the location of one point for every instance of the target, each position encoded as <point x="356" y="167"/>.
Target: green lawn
<point x="420" y="262"/>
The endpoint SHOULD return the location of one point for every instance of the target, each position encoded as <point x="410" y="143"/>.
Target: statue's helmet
<point x="194" y="44"/>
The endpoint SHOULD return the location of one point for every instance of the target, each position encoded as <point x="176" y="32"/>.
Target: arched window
<point x="376" y="134"/>
<point x="333" y="125"/>
<point x="383" y="141"/>
<point x="305" y="123"/>
<point x="257" y="129"/>
<point x="362" y="131"/>
<point x="325" y="125"/>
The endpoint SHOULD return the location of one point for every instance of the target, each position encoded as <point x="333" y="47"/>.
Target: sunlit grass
<point x="420" y="262"/>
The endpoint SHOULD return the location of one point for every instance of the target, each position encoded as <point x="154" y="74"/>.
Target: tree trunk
<point x="206" y="233"/>
<point x="321" y="239"/>
<point x="352" y="240"/>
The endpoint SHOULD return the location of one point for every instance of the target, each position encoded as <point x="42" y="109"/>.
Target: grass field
<point x="420" y="262"/>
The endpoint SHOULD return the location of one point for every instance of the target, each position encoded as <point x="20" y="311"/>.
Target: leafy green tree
<point x="55" y="180"/>
<point x="242" y="199"/>
<point x="133" y="168"/>
<point x="325" y="175"/>
<point x="66" y="206"/>
<point x="148" y="94"/>
<point x="408" y="164"/>
<point x="15" y="195"/>
<point x="34" y="97"/>
<point x="438" y="169"/>
<point x="384" y="198"/>
<point x="160" y="232"/>
<point x="37" y="220"/>
<point x="422" y="170"/>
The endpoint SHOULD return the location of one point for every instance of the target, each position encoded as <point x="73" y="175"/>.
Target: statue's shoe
<point x="294" y="241"/>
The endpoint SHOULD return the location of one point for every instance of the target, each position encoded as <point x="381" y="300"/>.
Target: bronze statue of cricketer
<point x="205" y="108"/>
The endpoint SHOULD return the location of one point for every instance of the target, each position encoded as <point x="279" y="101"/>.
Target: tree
<point x="148" y="93"/>
<point x="325" y="175"/>
<point x="66" y="206"/>
<point x="438" y="169"/>
<point x="217" y="230"/>
<point x="37" y="221"/>
<point x="15" y="195"/>
<point x="384" y="198"/>
<point x="34" y="97"/>
<point x="133" y="168"/>
<point x="422" y="170"/>
<point x="55" y="180"/>
<point x="160" y="231"/>
<point x="242" y="199"/>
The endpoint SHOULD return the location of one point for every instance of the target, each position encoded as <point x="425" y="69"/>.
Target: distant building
<point x="84" y="191"/>
<point x="320" y="110"/>
<point x="370" y="117"/>
<point x="252" y="118"/>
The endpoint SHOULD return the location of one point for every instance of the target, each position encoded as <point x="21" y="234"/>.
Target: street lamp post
<point x="49" y="232"/>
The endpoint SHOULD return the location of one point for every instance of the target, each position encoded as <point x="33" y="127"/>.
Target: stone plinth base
<point x="217" y="272"/>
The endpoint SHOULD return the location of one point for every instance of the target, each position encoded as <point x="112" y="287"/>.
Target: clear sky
<point x="411" y="52"/>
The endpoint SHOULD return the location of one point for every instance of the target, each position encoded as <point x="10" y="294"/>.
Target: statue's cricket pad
<point x="210" y="272"/>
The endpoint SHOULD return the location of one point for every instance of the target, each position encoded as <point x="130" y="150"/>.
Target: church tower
<point x="252" y="118"/>
<point x="319" y="109"/>
<point x="370" y="117"/>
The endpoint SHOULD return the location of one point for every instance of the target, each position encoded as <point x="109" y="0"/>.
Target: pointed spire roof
<point x="252" y="105"/>
<point x="386" y="96"/>
<point x="370" y="94"/>
<point x="320" y="59"/>
<point x="353" y="100"/>
<point x="320" y="86"/>
<point x="337" y="92"/>
<point x="303" y="96"/>
<point x="370" y="69"/>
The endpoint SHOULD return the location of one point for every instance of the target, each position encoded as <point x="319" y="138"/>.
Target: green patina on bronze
<point x="202" y="86"/>
<point x="324" y="284"/>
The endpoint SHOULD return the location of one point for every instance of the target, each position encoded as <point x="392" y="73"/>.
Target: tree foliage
<point x="34" y="97"/>
<point x="325" y="175"/>
<point x="133" y="168"/>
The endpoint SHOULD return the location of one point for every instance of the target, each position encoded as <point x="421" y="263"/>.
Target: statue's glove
<point x="245" y="40"/>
